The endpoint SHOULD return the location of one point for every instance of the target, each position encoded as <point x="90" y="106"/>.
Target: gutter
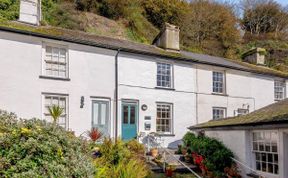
<point x="94" y="44"/>
<point x="116" y="93"/>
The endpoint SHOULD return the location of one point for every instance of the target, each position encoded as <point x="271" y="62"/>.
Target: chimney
<point x="168" y="38"/>
<point x="255" y="56"/>
<point x="30" y="11"/>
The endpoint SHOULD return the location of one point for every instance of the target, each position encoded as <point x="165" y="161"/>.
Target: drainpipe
<point x="116" y="93"/>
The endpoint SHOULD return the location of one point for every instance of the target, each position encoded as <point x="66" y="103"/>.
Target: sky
<point x="282" y="2"/>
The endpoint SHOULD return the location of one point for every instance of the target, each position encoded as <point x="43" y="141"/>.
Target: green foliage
<point x="61" y="14"/>
<point x="160" y="11"/>
<point x="217" y="156"/>
<point x="9" y="9"/>
<point x="121" y="160"/>
<point x="34" y="148"/>
<point x="55" y="111"/>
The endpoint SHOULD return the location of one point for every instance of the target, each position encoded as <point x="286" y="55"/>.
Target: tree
<point x="160" y="11"/>
<point x="210" y="25"/>
<point x="263" y="17"/>
<point x="55" y="111"/>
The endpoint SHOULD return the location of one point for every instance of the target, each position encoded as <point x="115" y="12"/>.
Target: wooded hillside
<point x="207" y="26"/>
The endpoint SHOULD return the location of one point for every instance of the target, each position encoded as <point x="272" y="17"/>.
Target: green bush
<point x="217" y="155"/>
<point x="9" y="9"/>
<point x="121" y="160"/>
<point x="34" y="148"/>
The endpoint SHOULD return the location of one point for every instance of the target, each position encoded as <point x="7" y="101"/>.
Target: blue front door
<point x="129" y="120"/>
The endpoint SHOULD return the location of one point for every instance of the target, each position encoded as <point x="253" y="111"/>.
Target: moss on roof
<point x="277" y="112"/>
<point x="112" y="43"/>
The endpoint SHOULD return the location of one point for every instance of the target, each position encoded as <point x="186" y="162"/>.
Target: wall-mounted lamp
<point x="82" y="102"/>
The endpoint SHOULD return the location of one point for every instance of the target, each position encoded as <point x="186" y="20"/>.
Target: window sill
<point x="53" y="78"/>
<point x="163" y="88"/>
<point x="166" y="135"/>
<point x="220" y="94"/>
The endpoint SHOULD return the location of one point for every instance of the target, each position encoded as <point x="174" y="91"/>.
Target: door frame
<point x="136" y="103"/>
<point x="102" y="99"/>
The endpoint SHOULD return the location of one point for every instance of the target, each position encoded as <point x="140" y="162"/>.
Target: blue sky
<point x="283" y="2"/>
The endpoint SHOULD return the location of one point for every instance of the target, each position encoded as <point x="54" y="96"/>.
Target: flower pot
<point x="169" y="172"/>
<point x="154" y="152"/>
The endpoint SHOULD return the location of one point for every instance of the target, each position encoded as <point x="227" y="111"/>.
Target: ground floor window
<point x="265" y="150"/>
<point x="58" y="100"/>
<point x="219" y="113"/>
<point x="164" y="118"/>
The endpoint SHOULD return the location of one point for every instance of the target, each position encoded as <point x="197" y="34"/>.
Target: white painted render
<point x="91" y="71"/>
<point x="92" y="75"/>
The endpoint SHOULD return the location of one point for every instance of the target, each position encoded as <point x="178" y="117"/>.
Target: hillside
<point x="212" y="32"/>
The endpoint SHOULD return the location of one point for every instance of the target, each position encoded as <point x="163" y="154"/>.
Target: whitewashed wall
<point x="137" y="81"/>
<point x="242" y="88"/>
<point x="91" y="71"/>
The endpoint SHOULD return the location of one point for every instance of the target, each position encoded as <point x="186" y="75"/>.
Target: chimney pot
<point x="30" y="11"/>
<point x="168" y="38"/>
<point x="255" y="56"/>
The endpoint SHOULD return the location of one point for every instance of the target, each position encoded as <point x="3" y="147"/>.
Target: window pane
<point x="164" y="75"/>
<point x="55" y="61"/>
<point x="125" y="114"/>
<point x="132" y="114"/>
<point x="266" y="156"/>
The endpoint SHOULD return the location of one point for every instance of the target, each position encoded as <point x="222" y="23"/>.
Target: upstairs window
<point x="56" y="62"/>
<point x="265" y="150"/>
<point x="164" y="75"/>
<point x="279" y="89"/>
<point x="218" y="82"/>
<point x="219" y="113"/>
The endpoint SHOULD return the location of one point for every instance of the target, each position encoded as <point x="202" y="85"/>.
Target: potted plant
<point x="154" y="152"/>
<point x="169" y="170"/>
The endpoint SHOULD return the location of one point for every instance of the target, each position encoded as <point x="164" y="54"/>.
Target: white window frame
<point x="159" y="85"/>
<point x="44" y="61"/>
<point x="214" y="88"/>
<point x="171" y="129"/>
<point x="279" y="89"/>
<point x="266" y="144"/>
<point x="219" y="109"/>
<point x="46" y="113"/>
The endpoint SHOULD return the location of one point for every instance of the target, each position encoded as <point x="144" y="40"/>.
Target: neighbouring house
<point x="122" y="87"/>
<point x="259" y="140"/>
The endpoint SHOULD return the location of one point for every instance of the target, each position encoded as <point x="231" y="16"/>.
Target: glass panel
<point x="270" y="168"/>
<point x="95" y="114"/>
<point x="132" y="114"/>
<point x="125" y="114"/>
<point x="258" y="166"/>
<point x="103" y="114"/>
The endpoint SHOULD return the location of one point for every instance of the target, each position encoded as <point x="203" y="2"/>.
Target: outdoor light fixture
<point x="82" y="102"/>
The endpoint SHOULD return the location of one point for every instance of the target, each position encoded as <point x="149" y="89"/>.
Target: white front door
<point x="100" y="116"/>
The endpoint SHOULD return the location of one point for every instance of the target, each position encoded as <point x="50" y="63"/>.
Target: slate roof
<point x="133" y="47"/>
<point x="274" y="113"/>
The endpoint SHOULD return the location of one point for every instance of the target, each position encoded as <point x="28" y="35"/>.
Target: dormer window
<point x="279" y="89"/>
<point x="164" y="75"/>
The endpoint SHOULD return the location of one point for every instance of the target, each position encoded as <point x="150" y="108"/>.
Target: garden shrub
<point x="35" y="148"/>
<point x="217" y="155"/>
<point x="121" y="160"/>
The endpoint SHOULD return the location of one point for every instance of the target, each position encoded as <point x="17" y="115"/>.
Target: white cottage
<point x="122" y="87"/>
<point x="259" y="140"/>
